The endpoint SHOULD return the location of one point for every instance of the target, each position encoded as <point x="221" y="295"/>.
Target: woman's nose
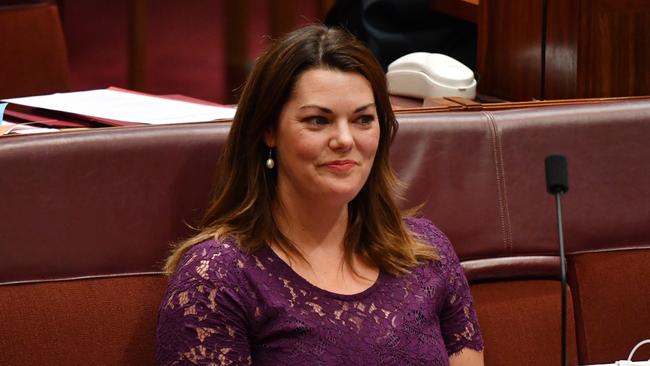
<point x="341" y="136"/>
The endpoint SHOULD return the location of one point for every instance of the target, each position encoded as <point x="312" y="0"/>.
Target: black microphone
<point x="557" y="183"/>
<point x="557" y="177"/>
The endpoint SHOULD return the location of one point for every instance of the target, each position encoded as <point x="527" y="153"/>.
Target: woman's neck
<point x="312" y="227"/>
<point x="318" y="234"/>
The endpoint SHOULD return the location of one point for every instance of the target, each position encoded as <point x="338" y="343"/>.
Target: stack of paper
<point x="118" y="105"/>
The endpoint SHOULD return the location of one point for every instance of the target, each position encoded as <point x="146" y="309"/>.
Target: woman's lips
<point x="341" y="166"/>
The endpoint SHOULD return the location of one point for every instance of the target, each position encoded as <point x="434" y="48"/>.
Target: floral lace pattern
<point x="223" y="307"/>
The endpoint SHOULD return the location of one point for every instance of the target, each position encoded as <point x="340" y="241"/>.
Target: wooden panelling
<point x="594" y="49"/>
<point x="614" y="49"/>
<point x="562" y="31"/>
<point x="509" y="48"/>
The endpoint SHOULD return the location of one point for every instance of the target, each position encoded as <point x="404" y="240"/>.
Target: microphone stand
<point x="562" y="276"/>
<point x="557" y="182"/>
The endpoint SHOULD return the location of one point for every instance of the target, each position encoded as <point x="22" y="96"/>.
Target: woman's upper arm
<point x="467" y="357"/>
<point x="202" y="316"/>
<point x="458" y="320"/>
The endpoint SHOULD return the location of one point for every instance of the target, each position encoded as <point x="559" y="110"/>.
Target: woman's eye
<point x="366" y="119"/>
<point x="317" y="120"/>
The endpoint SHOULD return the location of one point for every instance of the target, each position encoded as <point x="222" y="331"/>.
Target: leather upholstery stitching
<point x="502" y="194"/>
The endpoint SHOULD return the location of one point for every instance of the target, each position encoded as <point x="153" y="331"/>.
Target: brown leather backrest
<point x="33" y="56"/>
<point x="608" y="204"/>
<point x="102" y="202"/>
<point x="482" y="175"/>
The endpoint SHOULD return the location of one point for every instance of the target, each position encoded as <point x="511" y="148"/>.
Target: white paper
<point x="128" y="107"/>
<point x="9" y="128"/>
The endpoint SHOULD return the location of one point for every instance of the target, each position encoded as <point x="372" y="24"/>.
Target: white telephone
<point x="423" y="74"/>
<point x="629" y="361"/>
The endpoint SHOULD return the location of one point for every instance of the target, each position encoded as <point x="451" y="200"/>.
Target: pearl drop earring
<point x="270" y="163"/>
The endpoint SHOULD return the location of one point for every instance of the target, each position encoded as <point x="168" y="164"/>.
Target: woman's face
<point x="326" y="138"/>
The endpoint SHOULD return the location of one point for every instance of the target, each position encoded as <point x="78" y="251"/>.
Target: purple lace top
<point x="224" y="307"/>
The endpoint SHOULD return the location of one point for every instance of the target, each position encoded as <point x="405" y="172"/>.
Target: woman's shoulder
<point x="215" y="259"/>
<point x="225" y="247"/>
<point x="430" y="234"/>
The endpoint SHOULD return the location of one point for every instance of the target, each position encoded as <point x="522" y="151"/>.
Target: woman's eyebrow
<point x="327" y="110"/>
<point x="364" y="107"/>
<point x="321" y="108"/>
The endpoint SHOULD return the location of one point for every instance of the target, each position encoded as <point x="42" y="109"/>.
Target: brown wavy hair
<point x="245" y="190"/>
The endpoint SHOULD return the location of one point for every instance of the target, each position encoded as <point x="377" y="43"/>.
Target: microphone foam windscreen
<point x="557" y="176"/>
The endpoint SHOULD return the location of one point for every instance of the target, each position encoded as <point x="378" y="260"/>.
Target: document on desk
<point x="8" y="128"/>
<point x="120" y="105"/>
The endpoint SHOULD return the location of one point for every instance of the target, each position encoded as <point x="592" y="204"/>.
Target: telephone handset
<point x="423" y="74"/>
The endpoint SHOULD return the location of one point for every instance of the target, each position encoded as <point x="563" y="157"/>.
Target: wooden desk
<point x="458" y="104"/>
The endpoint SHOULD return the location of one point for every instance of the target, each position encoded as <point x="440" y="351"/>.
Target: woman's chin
<point x="340" y="195"/>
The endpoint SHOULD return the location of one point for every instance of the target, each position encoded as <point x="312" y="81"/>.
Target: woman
<point x="303" y="257"/>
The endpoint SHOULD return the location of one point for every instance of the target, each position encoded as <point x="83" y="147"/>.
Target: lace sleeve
<point x="458" y="321"/>
<point x="201" y="318"/>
